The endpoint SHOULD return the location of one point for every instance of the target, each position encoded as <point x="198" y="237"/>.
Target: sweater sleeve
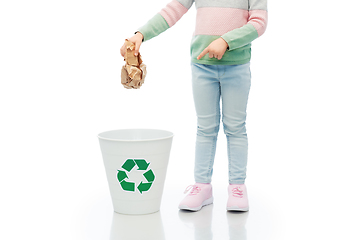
<point x="165" y="19"/>
<point x="254" y="28"/>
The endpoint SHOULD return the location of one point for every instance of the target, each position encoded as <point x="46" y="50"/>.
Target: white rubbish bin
<point x="135" y="162"/>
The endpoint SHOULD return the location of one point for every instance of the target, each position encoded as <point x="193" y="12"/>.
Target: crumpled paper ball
<point x="134" y="71"/>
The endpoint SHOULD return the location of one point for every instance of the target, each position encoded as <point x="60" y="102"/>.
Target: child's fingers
<point x="203" y="53"/>
<point x="137" y="48"/>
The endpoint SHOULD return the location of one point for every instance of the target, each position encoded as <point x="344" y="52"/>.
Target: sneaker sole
<point x="206" y="202"/>
<point x="236" y="208"/>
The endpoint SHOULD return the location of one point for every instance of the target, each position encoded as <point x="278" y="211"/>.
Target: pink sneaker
<point x="238" y="199"/>
<point x="199" y="196"/>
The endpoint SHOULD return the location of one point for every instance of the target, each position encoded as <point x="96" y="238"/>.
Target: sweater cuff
<point x="153" y="27"/>
<point x="240" y="37"/>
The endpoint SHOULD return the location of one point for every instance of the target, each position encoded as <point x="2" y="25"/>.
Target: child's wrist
<point x="227" y="45"/>
<point x="140" y="34"/>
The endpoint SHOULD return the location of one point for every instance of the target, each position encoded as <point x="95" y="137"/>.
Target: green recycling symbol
<point x="128" y="165"/>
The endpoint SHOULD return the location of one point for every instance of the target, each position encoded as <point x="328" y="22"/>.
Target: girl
<point x="220" y="62"/>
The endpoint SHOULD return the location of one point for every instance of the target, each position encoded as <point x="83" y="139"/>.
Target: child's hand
<point x="137" y="40"/>
<point x="216" y="49"/>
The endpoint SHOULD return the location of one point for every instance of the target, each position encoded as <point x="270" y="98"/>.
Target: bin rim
<point x="171" y="135"/>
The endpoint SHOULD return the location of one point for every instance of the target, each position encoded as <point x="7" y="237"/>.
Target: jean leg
<point x="206" y="93"/>
<point x="235" y="87"/>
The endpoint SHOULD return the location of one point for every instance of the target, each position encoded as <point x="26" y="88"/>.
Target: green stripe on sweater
<point x="237" y="56"/>
<point x="154" y="27"/>
<point x="240" y="37"/>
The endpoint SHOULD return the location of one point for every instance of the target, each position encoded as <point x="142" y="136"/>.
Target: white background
<point x="60" y="87"/>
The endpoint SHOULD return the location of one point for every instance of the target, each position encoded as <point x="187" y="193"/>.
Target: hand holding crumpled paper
<point x="134" y="71"/>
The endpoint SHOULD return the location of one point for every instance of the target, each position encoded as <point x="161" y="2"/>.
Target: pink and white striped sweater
<point x="238" y="22"/>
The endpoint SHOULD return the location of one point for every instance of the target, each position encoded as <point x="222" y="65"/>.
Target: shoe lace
<point x="194" y="189"/>
<point x="237" y="192"/>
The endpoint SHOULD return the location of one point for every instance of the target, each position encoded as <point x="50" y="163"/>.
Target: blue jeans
<point x="231" y="83"/>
